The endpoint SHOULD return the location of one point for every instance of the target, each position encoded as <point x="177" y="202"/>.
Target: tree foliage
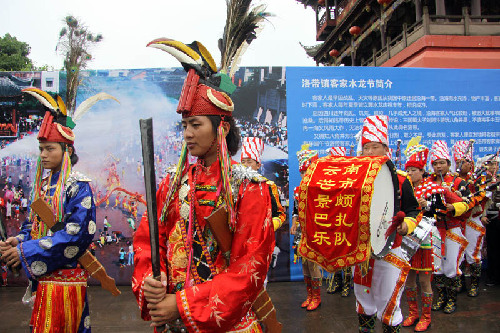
<point x="75" y="43"/>
<point x="14" y="54"/>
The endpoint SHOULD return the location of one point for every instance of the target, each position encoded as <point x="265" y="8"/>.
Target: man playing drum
<point x="453" y="242"/>
<point x="378" y="293"/>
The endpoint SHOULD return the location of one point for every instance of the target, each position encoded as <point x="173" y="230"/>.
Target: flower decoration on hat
<point x="375" y="129"/>
<point x="306" y="157"/>
<point x="253" y="148"/>
<point x="416" y="154"/>
<point x="439" y="151"/>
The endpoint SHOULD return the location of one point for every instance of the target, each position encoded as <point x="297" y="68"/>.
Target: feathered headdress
<point x="57" y="126"/>
<point x="206" y="91"/>
<point x="243" y="24"/>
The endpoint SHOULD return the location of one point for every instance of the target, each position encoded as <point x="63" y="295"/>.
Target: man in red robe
<point x="206" y="290"/>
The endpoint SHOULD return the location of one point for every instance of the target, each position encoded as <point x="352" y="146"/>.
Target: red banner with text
<point x="334" y="210"/>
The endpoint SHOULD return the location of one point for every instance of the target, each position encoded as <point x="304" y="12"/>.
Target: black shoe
<point x="451" y="304"/>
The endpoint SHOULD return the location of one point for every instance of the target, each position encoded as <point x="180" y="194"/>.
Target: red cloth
<point x="422" y="260"/>
<point x="50" y="131"/>
<point x="334" y="194"/>
<point x="197" y="99"/>
<point x="222" y="303"/>
<point x="59" y="301"/>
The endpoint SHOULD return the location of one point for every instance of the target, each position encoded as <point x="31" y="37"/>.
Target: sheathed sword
<point x="150" y="184"/>
<point x="146" y="126"/>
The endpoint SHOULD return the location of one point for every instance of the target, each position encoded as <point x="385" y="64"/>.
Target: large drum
<point x="346" y="205"/>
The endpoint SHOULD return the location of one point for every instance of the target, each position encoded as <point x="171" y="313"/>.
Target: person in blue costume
<point x="49" y="257"/>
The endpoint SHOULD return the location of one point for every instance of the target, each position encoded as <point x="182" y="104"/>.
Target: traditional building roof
<point x="375" y="32"/>
<point x="8" y="88"/>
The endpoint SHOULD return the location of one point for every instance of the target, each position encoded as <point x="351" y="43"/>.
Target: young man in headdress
<point x="342" y="279"/>
<point x="472" y="227"/>
<point x="49" y="257"/>
<point x="378" y="293"/>
<point x="206" y="290"/>
<point x="453" y="242"/>
<point x="251" y="156"/>
<point x="421" y="262"/>
<point x="311" y="270"/>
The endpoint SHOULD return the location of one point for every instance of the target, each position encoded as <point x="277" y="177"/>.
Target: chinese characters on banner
<point x="334" y="210"/>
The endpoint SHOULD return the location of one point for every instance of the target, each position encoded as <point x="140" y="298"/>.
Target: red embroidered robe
<point x="222" y="302"/>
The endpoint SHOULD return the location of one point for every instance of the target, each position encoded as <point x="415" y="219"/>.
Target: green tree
<point x="14" y="54"/>
<point x="75" y="43"/>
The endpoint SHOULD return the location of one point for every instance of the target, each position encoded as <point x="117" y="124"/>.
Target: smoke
<point x="25" y="147"/>
<point x="110" y="131"/>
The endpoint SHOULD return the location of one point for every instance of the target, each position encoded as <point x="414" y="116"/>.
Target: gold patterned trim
<point x="187" y="311"/>
<point x="463" y="242"/>
<point x="405" y="268"/>
<point x="477" y="249"/>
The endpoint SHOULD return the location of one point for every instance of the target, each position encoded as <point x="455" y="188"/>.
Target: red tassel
<point x="59" y="302"/>
<point x="396" y="222"/>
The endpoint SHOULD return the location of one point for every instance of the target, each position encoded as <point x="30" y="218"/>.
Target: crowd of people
<point x="470" y="211"/>
<point x="216" y="240"/>
<point x="25" y="126"/>
<point x="273" y="135"/>
<point x="452" y="210"/>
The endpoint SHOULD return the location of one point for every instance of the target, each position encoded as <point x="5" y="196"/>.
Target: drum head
<point x="384" y="205"/>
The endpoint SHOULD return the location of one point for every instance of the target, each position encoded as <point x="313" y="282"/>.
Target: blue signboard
<point x="326" y="107"/>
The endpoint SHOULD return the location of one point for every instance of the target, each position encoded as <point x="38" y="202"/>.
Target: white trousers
<point x="455" y="244"/>
<point x="383" y="295"/>
<point x="474" y="233"/>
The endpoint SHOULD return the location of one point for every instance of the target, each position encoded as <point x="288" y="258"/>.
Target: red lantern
<point x="355" y="30"/>
<point x="383" y="2"/>
<point x="321" y="2"/>
<point x="334" y="53"/>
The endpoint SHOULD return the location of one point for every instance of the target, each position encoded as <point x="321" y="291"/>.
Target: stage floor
<point x="336" y="314"/>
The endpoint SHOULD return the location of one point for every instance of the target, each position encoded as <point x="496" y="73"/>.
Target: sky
<point x="127" y="26"/>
